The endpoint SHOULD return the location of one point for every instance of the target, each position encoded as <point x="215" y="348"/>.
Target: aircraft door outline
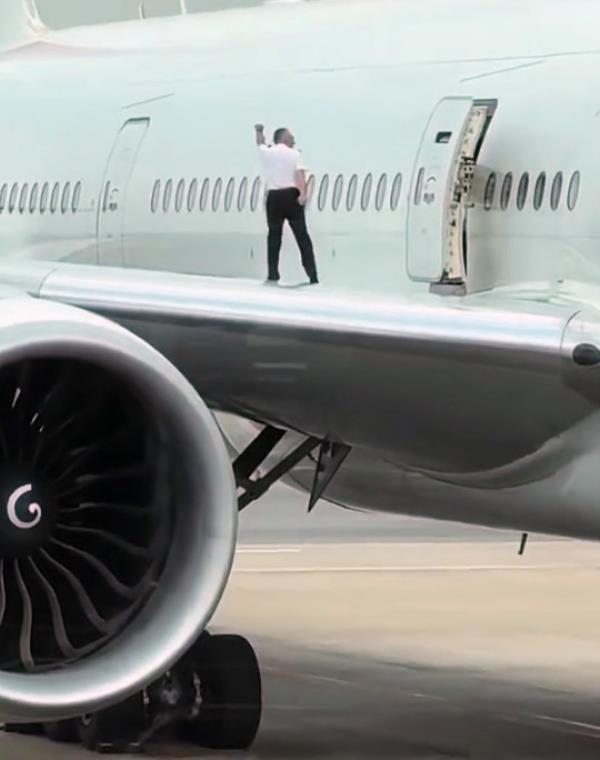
<point x="113" y="200"/>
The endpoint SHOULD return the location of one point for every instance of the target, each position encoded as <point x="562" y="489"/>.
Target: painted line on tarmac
<point x="591" y="729"/>
<point x="408" y="568"/>
<point x="302" y="675"/>
<point x="261" y="550"/>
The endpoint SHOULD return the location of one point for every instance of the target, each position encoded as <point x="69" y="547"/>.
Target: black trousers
<point x="282" y="205"/>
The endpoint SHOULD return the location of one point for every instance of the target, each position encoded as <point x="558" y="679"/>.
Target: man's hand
<point x="259" y="131"/>
<point x="302" y="200"/>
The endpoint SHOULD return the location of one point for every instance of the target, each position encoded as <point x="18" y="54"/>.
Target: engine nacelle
<point x="118" y="512"/>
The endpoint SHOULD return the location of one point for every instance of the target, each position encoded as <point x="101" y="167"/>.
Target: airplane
<point x="152" y="386"/>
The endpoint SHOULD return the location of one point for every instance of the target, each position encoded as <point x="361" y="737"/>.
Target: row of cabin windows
<point x="248" y="194"/>
<point x="40" y="198"/>
<point x="555" y="195"/>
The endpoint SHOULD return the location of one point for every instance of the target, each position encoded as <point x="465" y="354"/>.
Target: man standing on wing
<point x="286" y="183"/>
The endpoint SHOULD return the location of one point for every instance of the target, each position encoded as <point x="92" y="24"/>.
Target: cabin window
<point x="310" y="189"/>
<point x="380" y="192"/>
<point x="365" y="196"/>
<point x="66" y="197"/>
<point x="506" y="191"/>
<point x="179" y="195"/>
<point x="3" y="194"/>
<point x="538" y="193"/>
<point x="556" y="191"/>
<point x="12" y="201"/>
<point x="216" y="196"/>
<point x="242" y="194"/>
<point x="323" y="191"/>
<point x="489" y="193"/>
<point x="338" y="189"/>
<point x="522" y="191"/>
<point x="76" y="198"/>
<point x="573" y="193"/>
<point x="167" y="195"/>
<point x="44" y="198"/>
<point x="192" y="195"/>
<point x="395" y="192"/>
<point x="419" y="186"/>
<point x="23" y="198"/>
<point x="351" y="192"/>
<point x="204" y="193"/>
<point x="33" y="198"/>
<point x="255" y="194"/>
<point x="229" y="193"/>
<point x="54" y="198"/>
<point x="155" y="197"/>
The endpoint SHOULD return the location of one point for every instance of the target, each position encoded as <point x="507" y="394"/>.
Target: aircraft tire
<point x="231" y="690"/>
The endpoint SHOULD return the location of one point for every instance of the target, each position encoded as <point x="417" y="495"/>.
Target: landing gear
<point x="212" y="698"/>
<point x="116" y="729"/>
<point x="62" y="731"/>
<point x="231" y="694"/>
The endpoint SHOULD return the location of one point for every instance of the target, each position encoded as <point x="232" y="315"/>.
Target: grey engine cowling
<point x="117" y="512"/>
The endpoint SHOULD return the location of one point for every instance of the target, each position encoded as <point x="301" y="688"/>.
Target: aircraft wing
<point x="425" y="381"/>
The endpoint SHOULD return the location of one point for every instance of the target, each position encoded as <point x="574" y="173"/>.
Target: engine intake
<point x="117" y="512"/>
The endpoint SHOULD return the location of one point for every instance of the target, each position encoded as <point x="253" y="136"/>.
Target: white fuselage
<point x="132" y="145"/>
<point x="357" y="90"/>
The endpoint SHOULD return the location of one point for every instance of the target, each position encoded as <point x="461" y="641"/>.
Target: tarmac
<point x="384" y="637"/>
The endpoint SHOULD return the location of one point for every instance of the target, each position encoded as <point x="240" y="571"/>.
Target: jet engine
<point x="118" y="512"/>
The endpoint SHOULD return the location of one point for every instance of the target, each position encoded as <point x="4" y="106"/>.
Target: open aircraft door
<point x="439" y="194"/>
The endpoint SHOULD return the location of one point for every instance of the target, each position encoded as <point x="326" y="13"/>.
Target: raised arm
<point x="259" y="133"/>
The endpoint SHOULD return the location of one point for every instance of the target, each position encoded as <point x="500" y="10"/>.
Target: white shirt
<point x="279" y="165"/>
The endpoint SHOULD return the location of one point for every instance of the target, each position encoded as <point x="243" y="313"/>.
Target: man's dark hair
<point x="279" y="134"/>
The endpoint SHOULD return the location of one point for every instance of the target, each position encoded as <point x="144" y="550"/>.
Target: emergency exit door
<point x="112" y="205"/>
<point x="441" y="181"/>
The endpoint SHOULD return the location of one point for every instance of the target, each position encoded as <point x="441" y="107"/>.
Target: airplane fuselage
<point x="131" y="146"/>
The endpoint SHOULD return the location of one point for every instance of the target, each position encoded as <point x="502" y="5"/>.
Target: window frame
<point x="242" y="194"/>
<point x="539" y="191"/>
<point x="155" y="197"/>
<point x="523" y="191"/>
<point x="215" y="200"/>
<point x="381" y="191"/>
<point x="574" y="190"/>
<point x="229" y="195"/>
<point x="366" y="192"/>
<point x="506" y="190"/>
<point x="396" y="191"/>
<point x="179" y="196"/>
<point x="255" y="194"/>
<point x="337" y="192"/>
<point x="323" y="192"/>
<point x="76" y="196"/>
<point x="556" y="190"/>
<point x="167" y="196"/>
<point x="65" y="198"/>
<point x="23" y="197"/>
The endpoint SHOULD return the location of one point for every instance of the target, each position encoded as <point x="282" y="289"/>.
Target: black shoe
<point x="314" y="280"/>
<point x="272" y="281"/>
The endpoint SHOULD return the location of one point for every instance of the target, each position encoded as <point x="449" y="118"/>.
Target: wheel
<point x="64" y="731"/>
<point x="231" y="690"/>
<point x="119" y="727"/>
